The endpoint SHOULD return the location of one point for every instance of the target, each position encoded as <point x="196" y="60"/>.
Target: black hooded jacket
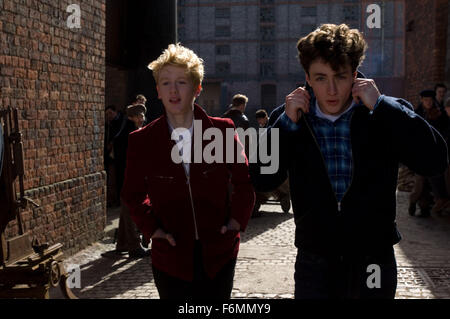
<point x="365" y="219"/>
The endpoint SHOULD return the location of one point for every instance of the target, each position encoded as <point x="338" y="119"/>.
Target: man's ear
<point x="307" y="78"/>
<point x="198" y="90"/>
<point x="157" y="90"/>
<point x="355" y="75"/>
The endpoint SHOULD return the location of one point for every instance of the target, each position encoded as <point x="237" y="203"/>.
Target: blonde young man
<point x="185" y="208"/>
<point x="341" y="142"/>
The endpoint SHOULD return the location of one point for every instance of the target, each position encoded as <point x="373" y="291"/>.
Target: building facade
<point x="249" y="46"/>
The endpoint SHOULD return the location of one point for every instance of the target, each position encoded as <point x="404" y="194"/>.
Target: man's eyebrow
<point x="166" y="77"/>
<point x="319" y="74"/>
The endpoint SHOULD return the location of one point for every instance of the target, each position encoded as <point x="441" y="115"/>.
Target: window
<point x="267" y="14"/>
<point x="268" y="96"/>
<point x="223" y="49"/>
<point x="180" y="34"/>
<point x="267" y="32"/>
<point x="307" y="28"/>
<point x="267" y="69"/>
<point x="309" y="11"/>
<point x="267" y="51"/>
<point x="222" y="13"/>
<point x="222" y="68"/>
<point x="223" y="31"/>
<point x="181" y="17"/>
<point x="351" y="13"/>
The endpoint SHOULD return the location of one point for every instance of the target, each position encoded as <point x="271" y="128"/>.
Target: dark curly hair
<point x="337" y="45"/>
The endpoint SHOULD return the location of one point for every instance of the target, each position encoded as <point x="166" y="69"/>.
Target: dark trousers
<point x="127" y="238"/>
<point x="202" y="287"/>
<point x="345" y="277"/>
<point x="420" y="192"/>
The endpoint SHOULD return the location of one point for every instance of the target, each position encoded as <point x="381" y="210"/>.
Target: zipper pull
<point x="339" y="207"/>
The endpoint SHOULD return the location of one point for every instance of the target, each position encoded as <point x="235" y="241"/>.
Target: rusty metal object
<point x="27" y="268"/>
<point x="55" y="273"/>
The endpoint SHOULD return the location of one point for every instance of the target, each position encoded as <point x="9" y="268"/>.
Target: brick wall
<point x="425" y="45"/>
<point x="55" y="76"/>
<point x="117" y="87"/>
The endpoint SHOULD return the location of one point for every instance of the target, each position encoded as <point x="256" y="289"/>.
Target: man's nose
<point x="173" y="88"/>
<point x="332" y="89"/>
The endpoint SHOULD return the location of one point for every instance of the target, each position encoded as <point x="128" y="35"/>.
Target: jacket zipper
<point x="188" y="182"/>
<point x="353" y="165"/>
<point x="323" y="161"/>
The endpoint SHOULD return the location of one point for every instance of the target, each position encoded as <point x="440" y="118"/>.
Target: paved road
<point x="265" y="264"/>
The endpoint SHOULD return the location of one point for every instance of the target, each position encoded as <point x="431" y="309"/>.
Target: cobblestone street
<point x="265" y="264"/>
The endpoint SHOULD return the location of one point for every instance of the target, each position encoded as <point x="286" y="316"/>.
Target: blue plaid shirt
<point x="334" y="143"/>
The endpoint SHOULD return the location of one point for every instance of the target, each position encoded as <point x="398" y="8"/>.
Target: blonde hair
<point x="178" y="55"/>
<point x="239" y="99"/>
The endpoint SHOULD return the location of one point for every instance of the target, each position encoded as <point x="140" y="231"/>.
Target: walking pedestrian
<point x="236" y="113"/>
<point x="262" y="118"/>
<point x="128" y="238"/>
<point x="437" y="117"/>
<point x="440" y="89"/>
<point x="184" y="206"/>
<point x="341" y="142"/>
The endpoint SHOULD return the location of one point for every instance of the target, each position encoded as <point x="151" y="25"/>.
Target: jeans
<point x="365" y="276"/>
<point x="202" y="287"/>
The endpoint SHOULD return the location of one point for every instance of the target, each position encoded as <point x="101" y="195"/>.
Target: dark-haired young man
<point x="236" y="112"/>
<point x="262" y="118"/>
<point x="341" y="142"/>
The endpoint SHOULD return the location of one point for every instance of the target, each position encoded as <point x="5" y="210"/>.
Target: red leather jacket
<point x="159" y="194"/>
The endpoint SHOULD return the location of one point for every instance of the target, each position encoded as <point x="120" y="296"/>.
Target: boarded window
<point x="223" y="49"/>
<point x="223" y="31"/>
<point x="222" y="68"/>
<point x="222" y="13"/>
<point x="267" y="14"/>
<point x="268" y="96"/>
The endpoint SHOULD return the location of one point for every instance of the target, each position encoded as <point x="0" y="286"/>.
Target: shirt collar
<point x="332" y="118"/>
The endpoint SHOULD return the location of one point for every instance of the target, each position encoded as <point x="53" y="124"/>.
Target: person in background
<point x="447" y="106"/>
<point x="262" y="118"/>
<point x="236" y="112"/>
<point x="113" y="123"/>
<point x="136" y="114"/>
<point x="140" y="99"/>
<point x="128" y="239"/>
<point x="440" y="89"/>
<point x="438" y="118"/>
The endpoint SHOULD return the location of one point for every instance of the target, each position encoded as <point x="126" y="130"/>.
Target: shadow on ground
<point x="106" y="278"/>
<point x="266" y="221"/>
<point x="424" y="248"/>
